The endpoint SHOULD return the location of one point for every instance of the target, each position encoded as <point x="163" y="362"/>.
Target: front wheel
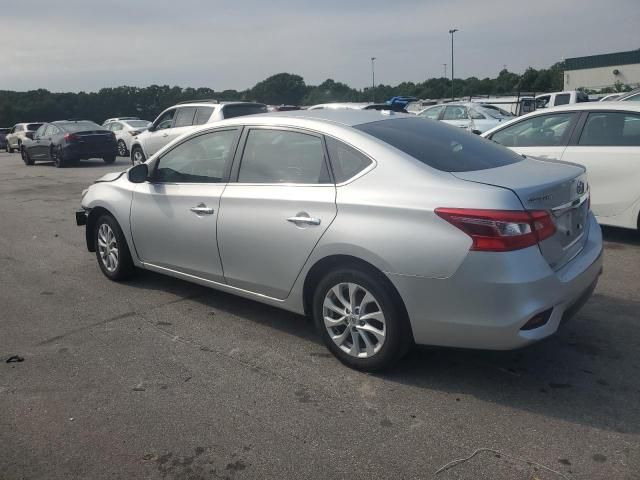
<point x="25" y="156"/>
<point x="9" y="148"/>
<point x="112" y="251"/>
<point x="137" y="155"/>
<point x="56" y="155"/>
<point x="360" y="319"/>
<point x="122" y="149"/>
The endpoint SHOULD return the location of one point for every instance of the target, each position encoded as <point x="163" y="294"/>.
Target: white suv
<point x="181" y="118"/>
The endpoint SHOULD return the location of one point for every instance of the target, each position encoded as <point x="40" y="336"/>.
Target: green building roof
<point x="604" y="60"/>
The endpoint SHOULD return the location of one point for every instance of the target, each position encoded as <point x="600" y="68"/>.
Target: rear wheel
<point x="25" y="156"/>
<point x="360" y="320"/>
<point x="9" y="148"/>
<point x="109" y="160"/>
<point x="112" y="251"/>
<point x="122" y="149"/>
<point x="56" y="155"/>
<point x="137" y="155"/>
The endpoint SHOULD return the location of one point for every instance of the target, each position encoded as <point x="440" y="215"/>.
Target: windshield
<point x="439" y="145"/>
<point x="138" y="123"/>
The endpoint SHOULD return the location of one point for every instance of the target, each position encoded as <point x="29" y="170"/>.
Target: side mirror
<point x="151" y="128"/>
<point x="29" y="135"/>
<point x="138" y="173"/>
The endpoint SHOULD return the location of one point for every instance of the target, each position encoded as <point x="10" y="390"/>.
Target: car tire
<point x="137" y="155"/>
<point x="56" y="156"/>
<point x="109" y="160"/>
<point x="122" y="149"/>
<point x="378" y="323"/>
<point x="112" y="251"/>
<point x="10" y="149"/>
<point x="25" y="157"/>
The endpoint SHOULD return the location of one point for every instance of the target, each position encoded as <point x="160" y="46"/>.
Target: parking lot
<point x="158" y="378"/>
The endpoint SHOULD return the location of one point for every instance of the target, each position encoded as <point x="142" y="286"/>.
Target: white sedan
<point x="471" y="116"/>
<point x="124" y="131"/>
<point x="604" y="137"/>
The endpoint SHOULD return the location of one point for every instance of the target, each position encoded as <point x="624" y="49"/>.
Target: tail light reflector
<point x="70" y="137"/>
<point x="500" y="230"/>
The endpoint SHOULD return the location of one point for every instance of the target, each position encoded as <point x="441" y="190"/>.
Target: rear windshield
<point x="80" y="126"/>
<point x="33" y="126"/>
<point x="440" y="146"/>
<point x="240" y="109"/>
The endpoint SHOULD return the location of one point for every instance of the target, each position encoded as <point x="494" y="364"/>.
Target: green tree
<point x="282" y="88"/>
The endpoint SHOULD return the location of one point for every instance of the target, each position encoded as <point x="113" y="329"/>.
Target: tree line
<point x="283" y="88"/>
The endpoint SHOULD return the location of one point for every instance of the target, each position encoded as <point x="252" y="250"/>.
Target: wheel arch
<point x="328" y="263"/>
<point x="92" y="218"/>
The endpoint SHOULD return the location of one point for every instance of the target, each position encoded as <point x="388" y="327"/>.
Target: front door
<point x="272" y="217"/>
<point x="157" y="136"/>
<point x="174" y="216"/>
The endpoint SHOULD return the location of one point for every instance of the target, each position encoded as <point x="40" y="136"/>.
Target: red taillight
<point x="500" y="230"/>
<point x="70" y="137"/>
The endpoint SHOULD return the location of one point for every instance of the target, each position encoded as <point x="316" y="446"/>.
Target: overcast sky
<point x="73" y="45"/>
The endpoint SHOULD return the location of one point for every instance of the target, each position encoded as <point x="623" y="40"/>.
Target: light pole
<point x="373" y="79"/>
<point x="452" y="31"/>
<point x="445" y="70"/>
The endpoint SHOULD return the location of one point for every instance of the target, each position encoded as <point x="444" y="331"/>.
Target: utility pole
<point x="452" y="31"/>
<point x="373" y="79"/>
<point x="445" y="70"/>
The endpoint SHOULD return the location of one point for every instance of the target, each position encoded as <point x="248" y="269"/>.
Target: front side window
<point x="200" y="159"/>
<point x="33" y="126"/>
<point x="282" y="156"/>
<point x="203" y="114"/>
<point x="543" y="102"/>
<point x="539" y="131"/>
<point x="432" y="113"/>
<point x="563" y="99"/>
<point x="455" y="113"/>
<point x="611" y="129"/>
<point x="346" y="161"/>
<point x="40" y="131"/>
<point x="116" y="127"/>
<point x="184" y="117"/>
<point x="166" y="120"/>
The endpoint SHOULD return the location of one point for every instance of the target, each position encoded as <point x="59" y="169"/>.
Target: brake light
<point x="500" y="230"/>
<point x="70" y="137"/>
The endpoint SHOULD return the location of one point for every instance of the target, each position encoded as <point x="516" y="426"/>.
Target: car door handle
<point x="202" y="209"/>
<point x="307" y="220"/>
<point x="165" y="134"/>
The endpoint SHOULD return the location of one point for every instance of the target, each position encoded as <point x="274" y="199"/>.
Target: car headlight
<point x="84" y="192"/>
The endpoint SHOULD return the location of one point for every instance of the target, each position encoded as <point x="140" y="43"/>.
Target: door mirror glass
<point x="138" y="173"/>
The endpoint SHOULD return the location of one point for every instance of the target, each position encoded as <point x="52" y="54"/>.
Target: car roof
<point x="211" y="104"/>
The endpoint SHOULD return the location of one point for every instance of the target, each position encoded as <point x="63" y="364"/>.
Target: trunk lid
<point x="560" y="188"/>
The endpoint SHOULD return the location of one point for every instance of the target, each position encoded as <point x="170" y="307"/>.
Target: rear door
<point x="545" y="135"/>
<point x="608" y="145"/>
<point x="275" y="212"/>
<point x="174" y="217"/>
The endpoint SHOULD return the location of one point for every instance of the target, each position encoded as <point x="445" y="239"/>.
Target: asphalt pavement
<point x="157" y="378"/>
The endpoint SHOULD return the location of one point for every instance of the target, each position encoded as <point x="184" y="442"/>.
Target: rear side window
<point x="33" y="126"/>
<point x="455" y="113"/>
<point x="282" y="156"/>
<point x="184" y="117"/>
<point x="346" y="161"/>
<point x="439" y="145"/>
<point x="632" y="98"/>
<point x="611" y="129"/>
<point x="241" y="109"/>
<point x="563" y="99"/>
<point x="203" y="114"/>
<point x="539" y="131"/>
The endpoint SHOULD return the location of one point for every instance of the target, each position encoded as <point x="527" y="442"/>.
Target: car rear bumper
<point x="492" y="296"/>
<point x="72" y="151"/>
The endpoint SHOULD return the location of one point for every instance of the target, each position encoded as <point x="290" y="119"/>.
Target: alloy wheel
<point x="108" y="247"/>
<point x="354" y="320"/>
<point x="122" y="148"/>
<point x="138" y="156"/>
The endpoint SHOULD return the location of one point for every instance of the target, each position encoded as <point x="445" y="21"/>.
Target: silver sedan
<point x="387" y="229"/>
